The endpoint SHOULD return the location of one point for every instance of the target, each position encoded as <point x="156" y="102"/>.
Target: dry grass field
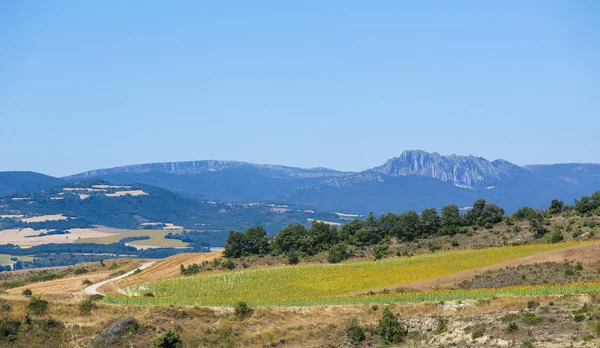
<point x="157" y="238"/>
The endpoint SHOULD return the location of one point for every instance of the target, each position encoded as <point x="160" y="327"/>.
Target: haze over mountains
<point x="414" y="180"/>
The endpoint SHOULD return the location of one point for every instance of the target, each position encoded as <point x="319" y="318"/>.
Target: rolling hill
<point x="88" y="203"/>
<point x="13" y="182"/>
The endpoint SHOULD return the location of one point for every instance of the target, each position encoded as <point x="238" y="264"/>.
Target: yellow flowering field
<point x="325" y="283"/>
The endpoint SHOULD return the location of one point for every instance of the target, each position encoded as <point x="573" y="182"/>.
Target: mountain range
<point x="414" y="180"/>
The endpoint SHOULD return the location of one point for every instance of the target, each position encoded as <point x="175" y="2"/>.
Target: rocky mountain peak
<point x="465" y="171"/>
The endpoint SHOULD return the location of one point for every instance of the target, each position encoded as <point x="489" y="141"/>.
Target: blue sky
<point x="341" y="84"/>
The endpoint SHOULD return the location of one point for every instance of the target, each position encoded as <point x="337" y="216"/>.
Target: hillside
<point x="418" y="180"/>
<point x="88" y="203"/>
<point x="229" y="181"/>
<point x="13" y="182"/>
<point x="414" y="180"/>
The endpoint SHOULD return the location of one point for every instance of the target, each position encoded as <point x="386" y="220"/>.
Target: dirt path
<point x="93" y="289"/>
<point x="588" y="254"/>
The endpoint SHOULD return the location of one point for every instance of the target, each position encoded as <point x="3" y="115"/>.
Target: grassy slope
<point x="321" y="284"/>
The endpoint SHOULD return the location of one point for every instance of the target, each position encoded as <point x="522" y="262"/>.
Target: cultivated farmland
<point x="316" y="284"/>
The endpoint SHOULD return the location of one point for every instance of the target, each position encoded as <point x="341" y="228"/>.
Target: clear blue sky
<point x="342" y="84"/>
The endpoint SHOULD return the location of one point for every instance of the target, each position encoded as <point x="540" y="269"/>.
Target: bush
<point x="27" y="292"/>
<point x="148" y="294"/>
<point x="242" y="310"/>
<point x="556" y="236"/>
<point x="80" y="271"/>
<point x="337" y="253"/>
<point x="86" y="282"/>
<point x="389" y="327"/>
<point x="37" y="305"/>
<point x="478" y="331"/>
<point x="532" y="304"/>
<point x="355" y="332"/>
<point x="512" y="327"/>
<point x="292" y="258"/>
<point x="454" y="242"/>
<point x="531" y="319"/>
<point x="169" y="339"/>
<point x="9" y="329"/>
<point x="113" y="266"/>
<point x="86" y="306"/>
<point x="380" y="250"/>
<point x="228" y="264"/>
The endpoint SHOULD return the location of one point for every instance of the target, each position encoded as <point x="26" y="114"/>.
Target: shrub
<point x="6" y="307"/>
<point x="148" y="294"/>
<point x="169" y="339"/>
<point x="512" y="327"/>
<point x="556" y="236"/>
<point x="532" y="304"/>
<point x="80" y="271"/>
<point x="86" y="306"/>
<point x="113" y="266"/>
<point x="355" y="332"/>
<point x="478" y="331"/>
<point x="86" y="282"/>
<point x="389" y="327"/>
<point x="442" y="325"/>
<point x="338" y="253"/>
<point x="9" y="328"/>
<point x="228" y="264"/>
<point x="531" y="319"/>
<point x="454" y="242"/>
<point x="37" y="305"/>
<point x="27" y="292"/>
<point x="527" y="344"/>
<point x="242" y="310"/>
<point x="292" y="258"/>
<point x="380" y="251"/>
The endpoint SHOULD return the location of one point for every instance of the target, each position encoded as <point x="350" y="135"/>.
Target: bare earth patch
<point x="123" y="193"/>
<point x="43" y="218"/>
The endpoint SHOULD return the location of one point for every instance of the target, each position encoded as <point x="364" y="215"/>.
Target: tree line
<point x="298" y="239"/>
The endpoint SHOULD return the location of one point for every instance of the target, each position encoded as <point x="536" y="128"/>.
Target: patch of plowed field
<point x="168" y="268"/>
<point x="70" y="287"/>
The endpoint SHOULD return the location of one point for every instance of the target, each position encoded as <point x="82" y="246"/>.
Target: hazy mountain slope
<point x="381" y="194"/>
<point x="218" y="180"/>
<point x="104" y="206"/>
<point x="13" y="182"/>
<point x="394" y="185"/>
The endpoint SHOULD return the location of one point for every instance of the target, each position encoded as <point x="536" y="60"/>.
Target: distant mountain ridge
<point x="415" y="179"/>
<point x="195" y="167"/>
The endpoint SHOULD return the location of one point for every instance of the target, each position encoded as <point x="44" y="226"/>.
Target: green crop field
<point x="5" y="259"/>
<point x="316" y="284"/>
<point x="157" y="238"/>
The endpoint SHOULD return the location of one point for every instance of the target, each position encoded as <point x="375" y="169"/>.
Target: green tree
<point x="451" y="216"/>
<point x="256" y="241"/>
<point x="389" y="327"/>
<point x="556" y="206"/>
<point x="431" y="222"/>
<point x="235" y="244"/>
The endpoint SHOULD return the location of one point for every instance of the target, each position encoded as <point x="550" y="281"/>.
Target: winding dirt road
<point x="93" y="289"/>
